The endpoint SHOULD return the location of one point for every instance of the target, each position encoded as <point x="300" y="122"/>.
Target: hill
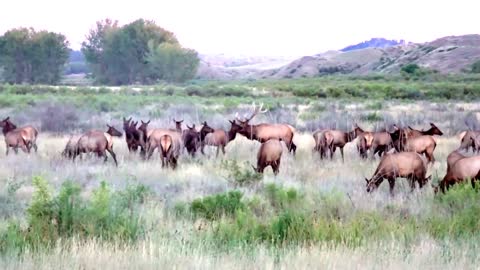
<point x="452" y="54"/>
<point x="373" y="43"/>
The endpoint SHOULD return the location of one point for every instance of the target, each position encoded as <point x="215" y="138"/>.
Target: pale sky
<point x="256" y="27"/>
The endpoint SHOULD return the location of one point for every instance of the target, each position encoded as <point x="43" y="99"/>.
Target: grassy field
<point x="215" y="212"/>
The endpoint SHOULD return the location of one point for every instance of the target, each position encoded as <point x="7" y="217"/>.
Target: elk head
<point x="247" y="129"/>
<point x="373" y="184"/>
<point x="178" y="124"/>
<point x="234" y="129"/>
<point x="434" y="130"/>
<point x="126" y="123"/>
<point x="205" y="130"/>
<point x="113" y="131"/>
<point x="143" y="126"/>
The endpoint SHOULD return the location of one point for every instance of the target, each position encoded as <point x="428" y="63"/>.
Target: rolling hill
<point x="452" y="54"/>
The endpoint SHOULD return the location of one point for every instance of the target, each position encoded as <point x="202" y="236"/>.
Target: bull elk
<point x="269" y="154"/>
<point x="264" y="132"/>
<point x="215" y="137"/>
<point x="98" y="142"/>
<point x="409" y="165"/>
<point x="26" y="135"/>
<point x="459" y="169"/>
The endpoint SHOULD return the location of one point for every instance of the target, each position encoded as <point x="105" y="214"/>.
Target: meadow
<point x="216" y="212"/>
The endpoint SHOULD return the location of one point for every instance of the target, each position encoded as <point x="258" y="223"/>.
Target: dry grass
<point x="174" y="243"/>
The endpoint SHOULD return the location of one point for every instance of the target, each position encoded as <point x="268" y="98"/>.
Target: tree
<point x="170" y="62"/>
<point x="32" y="57"/>
<point x="121" y="55"/>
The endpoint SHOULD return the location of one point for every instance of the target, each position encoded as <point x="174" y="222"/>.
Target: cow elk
<point x="26" y="135"/>
<point x="216" y="137"/>
<point x="269" y="154"/>
<point x="459" y="169"/>
<point x="167" y="154"/>
<point x="98" y="142"/>
<point x="409" y="165"/>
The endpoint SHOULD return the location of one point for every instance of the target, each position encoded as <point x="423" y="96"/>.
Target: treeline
<point x="139" y="52"/>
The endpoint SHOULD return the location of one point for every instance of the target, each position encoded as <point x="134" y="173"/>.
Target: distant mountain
<point x="452" y="54"/>
<point x="373" y="43"/>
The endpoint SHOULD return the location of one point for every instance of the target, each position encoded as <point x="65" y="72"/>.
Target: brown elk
<point x="71" y="146"/>
<point x="132" y="135"/>
<point x="28" y="133"/>
<point x="264" y="132"/>
<point x="14" y="138"/>
<point x="178" y="125"/>
<point x="269" y="154"/>
<point x="331" y="139"/>
<point x="154" y="139"/>
<point x="380" y="142"/>
<point x="216" y="137"/>
<point x="167" y="154"/>
<point x="99" y="142"/>
<point x="409" y="165"/>
<point x="468" y="140"/>
<point x="459" y="169"/>
<point x="408" y="133"/>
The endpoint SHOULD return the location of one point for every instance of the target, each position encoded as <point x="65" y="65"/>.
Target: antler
<point x="256" y="110"/>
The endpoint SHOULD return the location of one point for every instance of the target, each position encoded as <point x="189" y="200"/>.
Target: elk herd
<point x="403" y="152"/>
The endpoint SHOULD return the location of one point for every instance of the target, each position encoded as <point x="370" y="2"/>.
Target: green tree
<point x="121" y="55"/>
<point x="170" y="62"/>
<point x="32" y="57"/>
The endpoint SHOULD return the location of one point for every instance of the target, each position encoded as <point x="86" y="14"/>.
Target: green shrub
<point x="215" y="206"/>
<point x="108" y="216"/>
<point x="476" y="67"/>
<point x="240" y="175"/>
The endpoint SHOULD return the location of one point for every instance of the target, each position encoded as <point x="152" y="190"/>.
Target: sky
<point x="255" y="27"/>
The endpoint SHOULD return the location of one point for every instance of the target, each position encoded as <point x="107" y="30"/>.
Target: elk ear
<point x="432" y="125"/>
<point x="6" y="119"/>
<point x="109" y="126"/>
<point x="255" y="169"/>
<point x="366" y="180"/>
<point x="205" y="123"/>
<point x="231" y="122"/>
<point x="148" y="122"/>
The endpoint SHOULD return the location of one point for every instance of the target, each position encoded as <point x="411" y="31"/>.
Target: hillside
<point x="452" y="54"/>
<point x="373" y="43"/>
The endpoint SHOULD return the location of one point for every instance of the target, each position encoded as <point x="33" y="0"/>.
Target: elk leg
<point x="35" y="147"/>
<point x="113" y="156"/>
<point x="218" y="150"/>
<point x="332" y="151"/>
<point x="276" y="167"/>
<point x="341" y="152"/>
<point x="173" y="162"/>
<point x="223" y="148"/>
<point x="391" y="182"/>
<point x="150" y="152"/>
<point x="15" y="149"/>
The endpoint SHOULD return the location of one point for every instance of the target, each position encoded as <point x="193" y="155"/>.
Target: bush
<point x="216" y="206"/>
<point x="108" y="216"/>
<point x="476" y="67"/>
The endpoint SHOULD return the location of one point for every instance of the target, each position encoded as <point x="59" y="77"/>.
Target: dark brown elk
<point x="98" y="142"/>
<point x="71" y="146"/>
<point x="215" y="137"/>
<point x="409" y="165"/>
<point x="167" y="154"/>
<point x="14" y="138"/>
<point x="461" y="168"/>
<point x="29" y="133"/>
<point x="191" y="139"/>
<point x="131" y="134"/>
<point x="269" y="154"/>
<point x="264" y="132"/>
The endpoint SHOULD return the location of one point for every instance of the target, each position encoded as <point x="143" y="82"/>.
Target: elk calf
<point x="269" y="154"/>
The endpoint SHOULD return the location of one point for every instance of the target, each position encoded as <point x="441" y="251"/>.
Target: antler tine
<point x="260" y="109"/>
